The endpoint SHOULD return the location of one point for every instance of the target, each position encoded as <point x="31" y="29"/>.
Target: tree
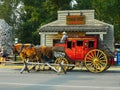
<point x="31" y="21"/>
<point x="83" y="4"/>
<point x="105" y="10"/>
<point x="10" y="12"/>
<point x="6" y="10"/>
<point x="38" y="13"/>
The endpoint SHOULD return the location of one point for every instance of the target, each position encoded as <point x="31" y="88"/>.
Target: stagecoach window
<point x="79" y="43"/>
<point x="69" y="44"/>
<point x="91" y="44"/>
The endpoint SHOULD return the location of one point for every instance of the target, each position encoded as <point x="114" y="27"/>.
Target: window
<point x="91" y="44"/>
<point x="79" y="43"/>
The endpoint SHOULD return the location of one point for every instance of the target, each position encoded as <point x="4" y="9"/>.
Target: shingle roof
<point x="56" y="26"/>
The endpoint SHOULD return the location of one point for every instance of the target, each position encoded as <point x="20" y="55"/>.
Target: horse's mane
<point x="18" y="44"/>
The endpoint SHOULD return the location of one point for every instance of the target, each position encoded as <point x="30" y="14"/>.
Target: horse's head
<point x="16" y="48"/>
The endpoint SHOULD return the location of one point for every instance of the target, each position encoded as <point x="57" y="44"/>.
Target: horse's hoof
<point x="21" y="72"/>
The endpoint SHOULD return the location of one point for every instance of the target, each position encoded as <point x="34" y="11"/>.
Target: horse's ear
<point x="13" y="45"/>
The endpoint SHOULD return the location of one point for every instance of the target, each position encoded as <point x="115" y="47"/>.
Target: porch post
<point x="42" y="39"/>
<point x="101" y="37"/>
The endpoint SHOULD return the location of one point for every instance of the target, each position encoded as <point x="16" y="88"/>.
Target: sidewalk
<point x="114" y="68"/>
<point x="11" y="64"/>
<point x="19" y="66"/>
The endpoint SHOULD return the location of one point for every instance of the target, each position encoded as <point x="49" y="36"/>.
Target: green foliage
<point x="105" y="10"/>
<point x="39" y="12"/>
<point x="5" y="10"/>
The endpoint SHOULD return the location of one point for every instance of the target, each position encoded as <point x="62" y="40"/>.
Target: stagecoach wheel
<point x="61" y="60"/>
<point x="96" y="61"/>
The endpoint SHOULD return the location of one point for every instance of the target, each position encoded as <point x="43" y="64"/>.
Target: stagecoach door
<point x="75" y="49"/>
<point x="82" y="47"/>
<point x="70" y="49"/>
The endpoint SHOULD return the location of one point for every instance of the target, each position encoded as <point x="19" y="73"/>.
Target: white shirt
<point x="64" y="37"/>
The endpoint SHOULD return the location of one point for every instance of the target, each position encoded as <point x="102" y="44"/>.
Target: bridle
<point x="15" y="51"/>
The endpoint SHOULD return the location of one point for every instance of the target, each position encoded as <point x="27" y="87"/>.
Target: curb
<point x="12" y="67"/>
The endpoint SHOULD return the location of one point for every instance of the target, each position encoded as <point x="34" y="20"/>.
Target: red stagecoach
<point x="83" y="50"/>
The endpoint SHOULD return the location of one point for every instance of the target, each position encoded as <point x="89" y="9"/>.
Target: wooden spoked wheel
<point x="61" y="60"/>
<point x="96" y="60"/>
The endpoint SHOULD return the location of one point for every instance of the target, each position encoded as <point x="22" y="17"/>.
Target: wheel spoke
<point x="100" y="55"/>
<point x="89" y="61"/>
<point x="97" y="54"/>
<point x="102" y="61"/>
<point x="92" y="54"/>
<point x="101" y="58"/>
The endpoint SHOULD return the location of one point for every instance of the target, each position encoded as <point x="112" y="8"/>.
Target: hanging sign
<point x="75" y="19"/>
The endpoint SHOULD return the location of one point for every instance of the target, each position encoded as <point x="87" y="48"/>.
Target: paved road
<point x="11" y="79"/>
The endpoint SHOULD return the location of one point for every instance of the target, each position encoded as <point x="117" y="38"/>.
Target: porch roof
<point x="59" y="26"/>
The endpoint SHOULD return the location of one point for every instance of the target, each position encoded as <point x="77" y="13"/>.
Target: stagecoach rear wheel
<point x="96" y="61"/>
<point x="61" y="60"/>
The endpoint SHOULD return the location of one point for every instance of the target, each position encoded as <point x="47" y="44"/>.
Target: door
<point x="70" y="49"/>
<point x="75" y="49"/>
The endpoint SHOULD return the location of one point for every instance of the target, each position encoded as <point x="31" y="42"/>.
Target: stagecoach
<point x="88" y="51"/>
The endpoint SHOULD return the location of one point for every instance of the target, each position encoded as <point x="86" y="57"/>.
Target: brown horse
<point x="32" y="53"/>
<point x="27" y="52"/>
<point x="36" y="54"/>
<point x="46" y="53"/>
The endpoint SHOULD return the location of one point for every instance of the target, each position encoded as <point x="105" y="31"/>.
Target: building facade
<point x="76" y="23"/>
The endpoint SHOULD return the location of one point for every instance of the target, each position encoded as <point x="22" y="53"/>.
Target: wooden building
<point x="76" y="23"/>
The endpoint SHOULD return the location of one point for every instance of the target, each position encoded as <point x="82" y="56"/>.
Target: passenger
<point x="64" y="37"/>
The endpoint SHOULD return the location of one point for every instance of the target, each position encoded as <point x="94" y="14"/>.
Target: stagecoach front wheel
<point x="96" y="60"/>
<point x="62" y="61"/>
